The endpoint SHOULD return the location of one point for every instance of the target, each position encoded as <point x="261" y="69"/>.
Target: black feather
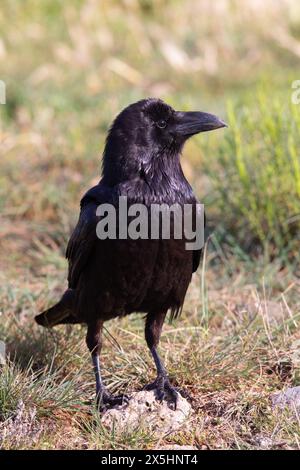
<point x="114" y="277"/>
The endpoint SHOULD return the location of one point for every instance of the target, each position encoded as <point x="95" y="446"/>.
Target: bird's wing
<point x="84" y="236"/>
<point x="197" y="253"/>
<point x="196" y="259"/>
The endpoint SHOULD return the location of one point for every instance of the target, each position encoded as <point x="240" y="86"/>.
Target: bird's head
<point x="147" y="131"/>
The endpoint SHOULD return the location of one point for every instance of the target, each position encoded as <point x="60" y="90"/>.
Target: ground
<point x="68" y="70"/>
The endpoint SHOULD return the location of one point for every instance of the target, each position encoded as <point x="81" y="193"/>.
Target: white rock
<point x="264" y="442"/>
<point x="289" y="398"/>
<point x="176" y="447"/>
<point x="144" y="411"/>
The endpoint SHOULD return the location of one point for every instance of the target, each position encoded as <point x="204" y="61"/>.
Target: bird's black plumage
<point x="115" y="277"/>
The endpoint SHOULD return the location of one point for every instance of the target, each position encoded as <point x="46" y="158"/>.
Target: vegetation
<point x="69" y="67"/>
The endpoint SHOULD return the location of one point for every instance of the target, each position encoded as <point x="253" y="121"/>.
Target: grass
<point x="68" y="69"/>
<point x="230" y="364"/>
<point x="256" y="177"/>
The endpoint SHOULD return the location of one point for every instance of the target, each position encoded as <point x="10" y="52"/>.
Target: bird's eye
<point x="161" y="123"/>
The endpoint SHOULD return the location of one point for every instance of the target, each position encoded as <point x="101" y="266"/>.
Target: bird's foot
<point x="164" y="391"/>
<point x="106" y="400"/>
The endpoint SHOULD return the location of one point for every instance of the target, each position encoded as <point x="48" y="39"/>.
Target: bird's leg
<point x="94" y="342"/>
<point x="161" y="385"/>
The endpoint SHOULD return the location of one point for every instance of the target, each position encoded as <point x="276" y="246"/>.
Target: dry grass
<point x="229" y="354"/>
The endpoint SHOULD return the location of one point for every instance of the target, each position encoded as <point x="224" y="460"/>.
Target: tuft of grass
<point x="100" y="438"/>
<point x="47" y="390"/>
<point x="255" y="175"/>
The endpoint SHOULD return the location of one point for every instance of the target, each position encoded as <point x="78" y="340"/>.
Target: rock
<point x="272" y="311"/>
<point x="143" y="410"/>
<point x="289" y="398"/>
<point x="176" y="447"/>
<point x="2" y="352"/>
<point x="264" y="442"/>
<point x="21" y="429"/>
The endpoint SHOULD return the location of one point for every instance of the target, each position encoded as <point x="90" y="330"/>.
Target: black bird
<point x="115" y="277"/>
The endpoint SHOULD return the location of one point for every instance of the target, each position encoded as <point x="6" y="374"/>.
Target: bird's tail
<point x="62" y="312"/>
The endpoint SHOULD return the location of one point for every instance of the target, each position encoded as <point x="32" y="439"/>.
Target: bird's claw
<point x="106" y="400"/>
<point x="164" y="391"/>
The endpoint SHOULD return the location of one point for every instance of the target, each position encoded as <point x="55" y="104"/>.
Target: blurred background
<point x="69" y="67"/>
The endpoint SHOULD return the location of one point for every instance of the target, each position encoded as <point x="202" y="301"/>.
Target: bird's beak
<point x="190" y="123"/>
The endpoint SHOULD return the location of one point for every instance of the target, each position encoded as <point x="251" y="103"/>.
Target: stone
<point x="2" y="352"/>
<point x="22" y="428"/>
<point x="176" y="447"/>
<point x="145" y="411"/>
<point x="289" y="398"/>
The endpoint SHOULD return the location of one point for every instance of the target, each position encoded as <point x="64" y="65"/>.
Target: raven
<point x="113" y="277"/>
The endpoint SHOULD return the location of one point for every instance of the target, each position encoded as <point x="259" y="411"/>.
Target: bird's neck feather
<point x="161" y="172"/>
